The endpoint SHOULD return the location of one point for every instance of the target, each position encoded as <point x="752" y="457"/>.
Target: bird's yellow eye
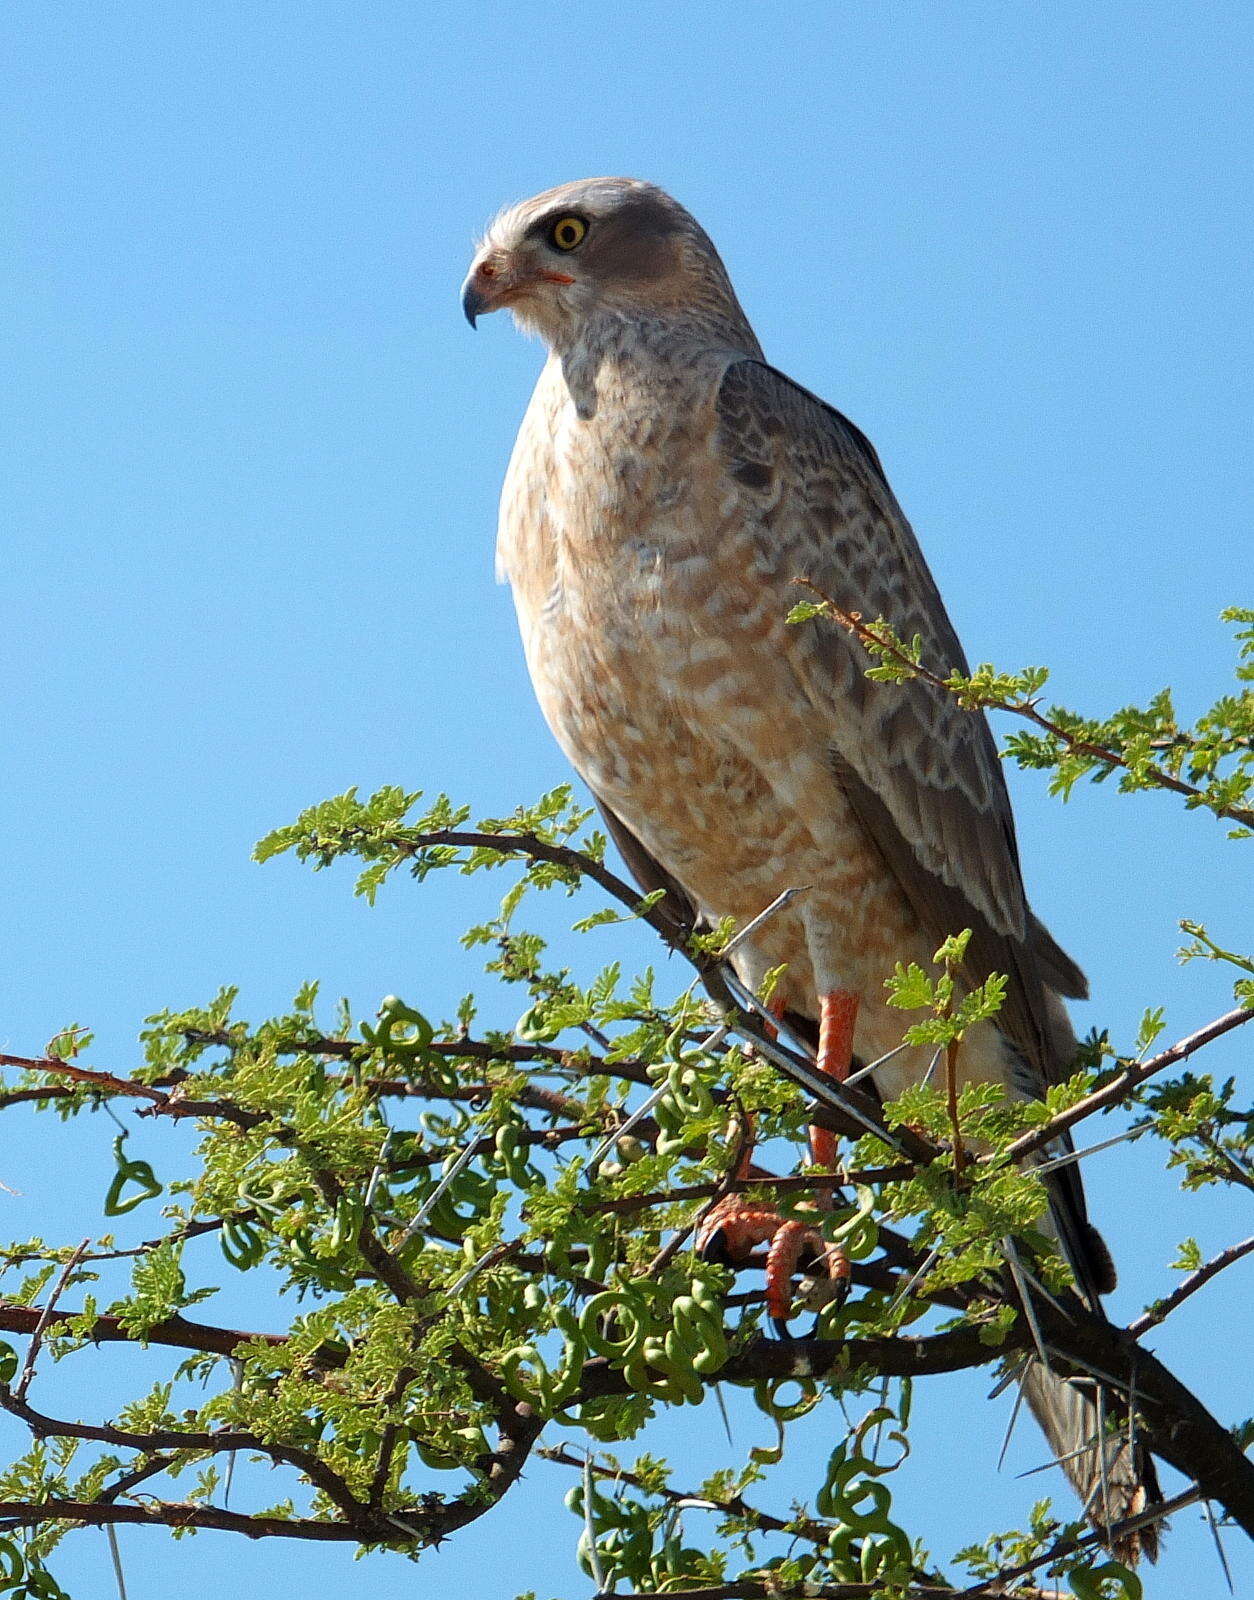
<point x="567" y="232"/>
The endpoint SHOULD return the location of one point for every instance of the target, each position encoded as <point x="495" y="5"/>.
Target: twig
<point x="36" y="1339"/>
<point x="1068" y="1547"/>
<point x="1236" y="1173"/>
<point x="882" y="644"/>
<point x="951" y="1100"/>
<point x="102" y="1081"/>
<point x="153" y="1467"/>
<point x="1132" y="1075"/>
<point x="390" y="1436"/>
<point x="178" y="1332"/>
<point x="485" y="1144"/>
<point x="530" y="844"/>
<point x="1162" y="1309"/>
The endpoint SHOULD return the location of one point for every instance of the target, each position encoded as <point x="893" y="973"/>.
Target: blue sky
<point x="253" y="455"/>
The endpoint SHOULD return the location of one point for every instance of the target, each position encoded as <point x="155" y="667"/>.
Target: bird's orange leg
<point x="838" y="1016"/>
<point x="735" y="1225"/>
<point x="796" y="1243"/>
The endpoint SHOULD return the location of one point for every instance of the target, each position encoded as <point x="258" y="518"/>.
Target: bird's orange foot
<point x="735" y="1226"/>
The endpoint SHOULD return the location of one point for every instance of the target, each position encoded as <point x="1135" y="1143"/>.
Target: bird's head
<point x="601" y="244"/>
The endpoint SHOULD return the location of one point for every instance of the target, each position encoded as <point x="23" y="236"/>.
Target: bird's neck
<point x="683" y="343"/>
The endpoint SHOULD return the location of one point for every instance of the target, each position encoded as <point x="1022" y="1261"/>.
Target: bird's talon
<point x="713" y="1247"/>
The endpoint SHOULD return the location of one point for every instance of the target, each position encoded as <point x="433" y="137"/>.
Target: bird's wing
<point x="922" y="774"/>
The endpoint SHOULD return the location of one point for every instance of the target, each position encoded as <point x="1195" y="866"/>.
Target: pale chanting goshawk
<point x="667" y="488"/>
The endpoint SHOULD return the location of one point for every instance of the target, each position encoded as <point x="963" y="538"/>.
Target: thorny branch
<point x="818" y="1533"/>
<point x="1130" y="1076"/>
<point x="1198" y="1454"/>
<point x="179" y="1333"/>
<point x="1067" y="1547"/>
<point x="177" y="1514"/>
<point x="535" y="848"/>
<point x="1174" y="1424"/>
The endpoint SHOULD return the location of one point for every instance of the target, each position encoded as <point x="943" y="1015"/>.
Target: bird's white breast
<point x="656" y="641"/>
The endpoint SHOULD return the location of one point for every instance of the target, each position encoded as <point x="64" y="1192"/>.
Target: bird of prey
<point x="666" y="488"/>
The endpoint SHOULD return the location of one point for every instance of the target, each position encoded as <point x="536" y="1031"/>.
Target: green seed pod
<point x="765" y="1397"/>
<point x="688" y="1091"/>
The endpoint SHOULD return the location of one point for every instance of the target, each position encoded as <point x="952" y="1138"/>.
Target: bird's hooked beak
<point x="496" y="279"/>
<point x="492" y="278"/>
<point x="474" y="301"/>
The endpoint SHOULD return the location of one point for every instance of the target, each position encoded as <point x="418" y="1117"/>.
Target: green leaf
<point x="1188" y="1256"/>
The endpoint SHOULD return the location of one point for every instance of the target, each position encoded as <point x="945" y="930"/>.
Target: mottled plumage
<point x="666" y="489"/>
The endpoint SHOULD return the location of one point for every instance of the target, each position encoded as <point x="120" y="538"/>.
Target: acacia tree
<point x="477" y="1241"/>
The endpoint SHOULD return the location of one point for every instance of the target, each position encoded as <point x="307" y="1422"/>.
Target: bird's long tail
<point x="1087" y="1429"/>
